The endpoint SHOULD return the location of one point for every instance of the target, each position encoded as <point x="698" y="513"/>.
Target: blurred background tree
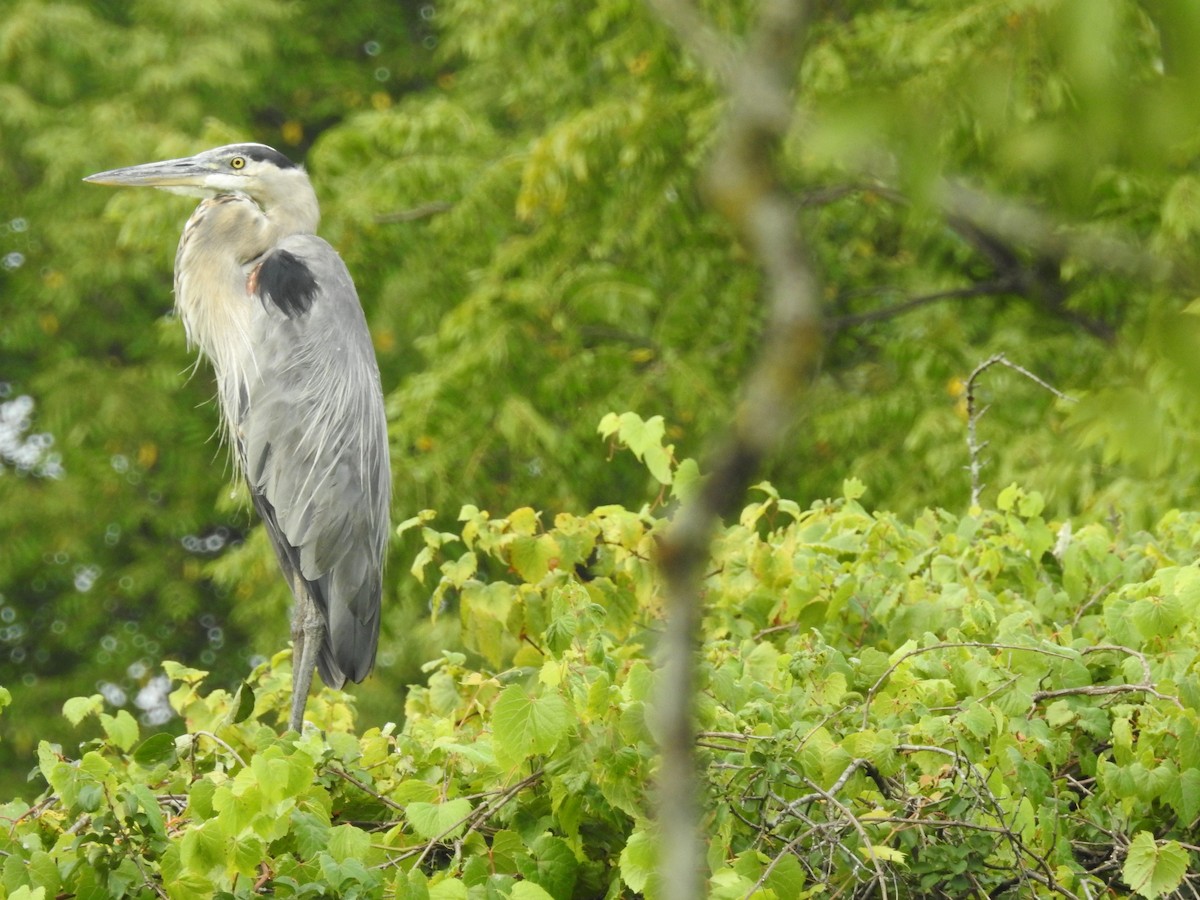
<point x="513" y="184"/>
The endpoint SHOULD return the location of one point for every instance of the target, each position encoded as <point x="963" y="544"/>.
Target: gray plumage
<point x="274" y="308"/>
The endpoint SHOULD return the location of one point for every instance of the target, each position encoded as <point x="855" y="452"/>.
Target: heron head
<point x="253" y="169"/>
<point x="279" y="186"/>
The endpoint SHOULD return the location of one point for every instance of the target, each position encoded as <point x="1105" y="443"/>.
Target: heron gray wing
<point x="313" y="442"/>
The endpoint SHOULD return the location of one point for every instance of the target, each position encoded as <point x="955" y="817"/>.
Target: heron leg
<point x="308" y="630"/>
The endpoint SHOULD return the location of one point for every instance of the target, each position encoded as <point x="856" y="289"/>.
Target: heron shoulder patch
<point x="286" y="281"/>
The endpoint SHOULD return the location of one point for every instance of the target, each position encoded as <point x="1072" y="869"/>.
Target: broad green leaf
<point x="532" y="556"/>
<point x="685" y="483"/>
<point x="461" y="569"/>
<point x="523" y="521"/>
<point x="311" y="832"/>
<point x="525" y="725"/>
<point x="853" y="488"/>
<point x="438" y="820"/>
<point x="639" y="860"/>
<point x="121" y="729"/>
<point x="348" y="842"/>
<point x="526" y="890"/>
<point x="448" y="889"/>
<point x="179" y="672"/>
<point x="1157" y="616"/>
<point x="203" y="848"/>
<point x="43" y="872"/>
<point x="552" y="866"/>
<point x="978" y="720"/>
<point x="78" y="708"/>
<point x="411" y="885"/>
<point x="148" y="804"/>
<point x="1154" y="869"/>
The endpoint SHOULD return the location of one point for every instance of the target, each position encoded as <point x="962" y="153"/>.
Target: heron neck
<point x="294" y="211"/>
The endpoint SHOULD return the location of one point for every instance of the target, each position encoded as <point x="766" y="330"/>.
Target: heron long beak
<point x="183" y="176"/>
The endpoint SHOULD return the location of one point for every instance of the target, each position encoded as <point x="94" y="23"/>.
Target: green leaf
<point x="448" y="889"/>
<point x="243" y="702"/>
<point x="458" y="571"/>
<point x="1153" y="869"/>
<point x="140" y="797"/>
<point x="438" y="820"/>
<point x="531" y="556"/>
<point x="310" y="829"/>
<point x="525" y="890"/>
<point x="121" y="729"/>
<point x="203" y="848"/>
<point x="524" y="725"/>
<point x="643" y="437"/>
<point x="553" y="867"/>
<point x="179" y="672"/>
<point x="348" y="842"/>
<point x="155" y="749"/>
<point x="853" y="488"/>
<point x="1008" y="497"/>
<point x="639" y="861"/>
<point x="686" y="482"/>
<point x="43" y="872"/>
<point x="78" y="708"/>
<point x="978" y="720"/>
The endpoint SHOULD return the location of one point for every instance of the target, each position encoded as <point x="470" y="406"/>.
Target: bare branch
<point x="424" y="211"/>
<point x="974" y="414"/>
<point x="216" y="740"/>
<point x="979" y="645"/>
<point x="983" y="289"/>
<point x="365" y="788"/>
<point x="1100" y="690"/>
<point x="742" y="183"/>
<point x="1023" y="226"/>
<point x="698" y="36"/>
<point x="1145" y="686"/>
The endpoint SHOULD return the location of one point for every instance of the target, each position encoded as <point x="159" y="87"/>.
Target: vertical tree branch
<point x="743" y="185"/>
<point x="974" y="413"/>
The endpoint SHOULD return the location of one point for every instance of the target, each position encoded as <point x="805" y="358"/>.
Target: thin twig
<point x="868" y="845"/>
<point x="984" y="288"/>
<point x="791" y="808"/>
<point x="217" y="740"/>
<point x="974" y="414"/>
<point x="954" y="645"/>
<point x="366" y="789"/>
<point x="134" y="853"/>
<point x="424" y="211"/>
<point x="1100" y="690"/>
<point x="1146" y="685"/>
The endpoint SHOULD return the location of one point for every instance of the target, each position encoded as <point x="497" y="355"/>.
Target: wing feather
<point x="313" y="441"/>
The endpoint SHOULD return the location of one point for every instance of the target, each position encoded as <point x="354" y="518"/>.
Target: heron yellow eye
<point x="238" y="162"/>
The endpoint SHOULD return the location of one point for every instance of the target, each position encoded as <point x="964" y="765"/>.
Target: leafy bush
<point x="946" y="706"/>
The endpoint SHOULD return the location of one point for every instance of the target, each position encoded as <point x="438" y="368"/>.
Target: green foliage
<point x="945" y="705"/>
<point x="516" y="192"/>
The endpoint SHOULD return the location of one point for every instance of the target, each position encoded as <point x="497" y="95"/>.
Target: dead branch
<point x="978" y="645"/>
<point x="742" y="183"/>
<point x="974" y="414"/>
<point x="424" y="211"/>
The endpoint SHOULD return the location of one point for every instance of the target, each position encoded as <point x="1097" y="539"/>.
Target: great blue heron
<point x="273" y="307"/>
